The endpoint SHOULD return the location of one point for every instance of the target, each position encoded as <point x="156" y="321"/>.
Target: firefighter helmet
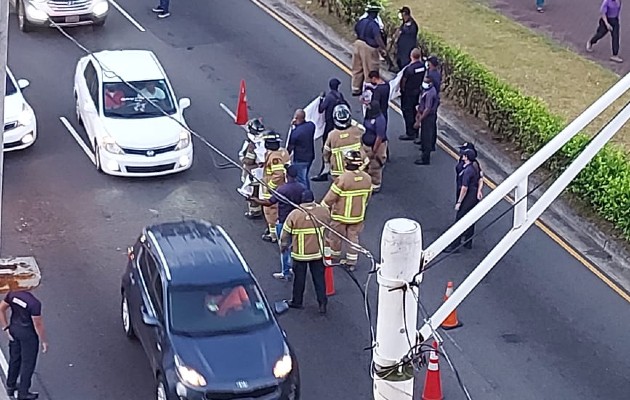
<point x="255" y="127"/>
<point x="353" y="157"/>
<point x="272" y="140"/>
<point x="342" y="116"/>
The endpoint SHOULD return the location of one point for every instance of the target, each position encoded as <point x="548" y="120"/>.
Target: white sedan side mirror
<point x="184" y="103"/>
<point x="23" y="83"/>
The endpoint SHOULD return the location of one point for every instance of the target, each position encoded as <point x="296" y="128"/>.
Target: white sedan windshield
<point x="140" y="99"/>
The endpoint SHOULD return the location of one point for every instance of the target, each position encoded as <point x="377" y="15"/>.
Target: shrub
<point x="525" y="121"/>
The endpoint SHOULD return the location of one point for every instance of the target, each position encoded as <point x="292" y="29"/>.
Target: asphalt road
<point x="571" y="22"/>
<point x="541" y="326"/>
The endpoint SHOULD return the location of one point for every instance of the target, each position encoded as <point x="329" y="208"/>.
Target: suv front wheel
<point x="161" y="393"/>
<point x="23" y="23"/>
<point x="125" y="316"/>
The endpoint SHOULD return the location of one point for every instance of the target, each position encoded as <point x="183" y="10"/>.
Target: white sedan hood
<point x="143" y="133"/>
<point x="12" y="107"/>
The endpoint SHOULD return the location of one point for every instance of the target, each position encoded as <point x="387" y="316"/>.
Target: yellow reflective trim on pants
<point x="347" y="220"/>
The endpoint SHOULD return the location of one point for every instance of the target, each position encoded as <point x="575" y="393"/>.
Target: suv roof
<point x="130" y="65"/>
<point x="197" y="253"/>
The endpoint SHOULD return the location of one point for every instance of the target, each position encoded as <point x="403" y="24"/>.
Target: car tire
<point x="79" y="120"/>
<point x="97" y="157"/>
<point x="125" y="317"/>
<point x="161" y="390"/>
<point x="23" y="23"/>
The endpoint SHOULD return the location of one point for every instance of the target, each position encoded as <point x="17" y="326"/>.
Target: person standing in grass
<point x="608" y="22"/>
<point x="539" y="6"/>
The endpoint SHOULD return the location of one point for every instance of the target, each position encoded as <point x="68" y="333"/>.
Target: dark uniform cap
<point x="467" y="146"/>
<point x="308" y="196"/>
<point x="470" y="154"/>
<point x="292" y="170"/>
<point x="405" y="10"/>
<point x="433" y="60"/>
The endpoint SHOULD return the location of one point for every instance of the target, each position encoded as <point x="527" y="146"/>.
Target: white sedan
<point x="20" y="125"/>
<point x="132" y="120"/>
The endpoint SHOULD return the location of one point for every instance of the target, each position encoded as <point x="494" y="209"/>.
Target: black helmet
<point x="353" y="157"/>
<point x="255" y="127"/>
<point x="272" y="140"/>
<point x="373" y="7"/>
<point x="342" y="116"/>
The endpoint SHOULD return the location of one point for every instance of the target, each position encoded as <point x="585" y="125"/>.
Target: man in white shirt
<point x="152" y="92"/>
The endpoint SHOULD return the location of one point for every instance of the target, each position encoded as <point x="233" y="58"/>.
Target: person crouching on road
<point x="347" y="199"/>
<point x="467" y="198"/>
<point x="276" y="158"/>
<point x="365" y="55"/>
<point x="302" y="146"/>
<point x="375" y="142"/>
<point x="292" y="191"/>
<point x="25" y="332"/>
<point x="306" y="232"/>
<point x="426" y="119"/>
<point x="343" y="138"/>
<point x="249" y="161"/>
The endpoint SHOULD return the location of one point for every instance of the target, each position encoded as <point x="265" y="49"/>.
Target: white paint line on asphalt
<point x="231" y="114"/>
<point x="80" y="141"/>
<point x="126" y="15"/>
<point x="4" y="365"/>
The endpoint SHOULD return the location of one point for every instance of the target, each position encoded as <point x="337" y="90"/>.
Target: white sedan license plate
<point x="73" y="19"/>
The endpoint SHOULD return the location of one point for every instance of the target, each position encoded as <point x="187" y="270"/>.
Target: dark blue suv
<point x="208" y="331"/>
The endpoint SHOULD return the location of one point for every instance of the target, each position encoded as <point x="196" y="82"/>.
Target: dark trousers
<point x="23" y="351"/>
<point x="428" y="136"/>
<point x="602" y="31"/>
<point x="299" y="280"/>
<point x="408" y="105"/>
<point x="470" y="201"/>
<point x="164" y="4"/>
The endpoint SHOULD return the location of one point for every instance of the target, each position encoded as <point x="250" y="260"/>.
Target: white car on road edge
<point x="130" y="135"/>
<point x="20" y="125"/>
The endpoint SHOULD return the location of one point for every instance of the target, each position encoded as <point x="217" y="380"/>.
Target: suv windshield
<point x="121" y="101"/>
<point x="10" y="88"/>
<point x="219" y="309"/>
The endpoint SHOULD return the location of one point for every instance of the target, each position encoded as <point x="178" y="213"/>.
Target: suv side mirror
<point x="23" y="83"/>
<point x="147" y="318"/>
<point x="280" y="307"/>
<point x="184" y="103"/>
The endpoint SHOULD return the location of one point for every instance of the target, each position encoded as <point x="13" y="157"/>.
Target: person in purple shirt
<point x="608" y="22"/>
<point x="375" y="142"/>
<point x="426" y="118"/>
<point x="292" y="190"/>
<point x="302" y="146"/>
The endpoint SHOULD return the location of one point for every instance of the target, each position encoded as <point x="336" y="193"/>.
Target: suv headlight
<point x="283" y="367"/>
<point x="189" y="375"/>
<point x="100" y="8"/>
<point x="184" y="140"/>
<point x="110" y="146"/>
<point x="26" y="116"/>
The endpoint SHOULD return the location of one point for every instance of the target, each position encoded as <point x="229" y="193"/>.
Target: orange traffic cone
<point x="329" y="277"/>
<point x="451" y="321"/>
<point x="241" y="108"/>
<point x="433" y="382"/>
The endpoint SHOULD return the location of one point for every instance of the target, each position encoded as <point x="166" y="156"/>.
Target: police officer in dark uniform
<point x="25" y="331"/>
<point x="467" y="196"/>
<point x="407" y="38"/>
<point x="410" y="89"/>
<point x="426" y="120"/>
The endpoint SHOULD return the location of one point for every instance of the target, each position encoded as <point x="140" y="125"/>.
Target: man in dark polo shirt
<point x="426" y="119"/>
<point x="410" y="89"/>
<point x="302" y="146"/>
<point x="25" y="331"/>
<point x="292" y="190"/>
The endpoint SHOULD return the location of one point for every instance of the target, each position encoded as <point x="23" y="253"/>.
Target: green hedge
<point x="525" y="121"/>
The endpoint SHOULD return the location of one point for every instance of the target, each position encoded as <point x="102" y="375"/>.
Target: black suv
<point x="190" y="298"/>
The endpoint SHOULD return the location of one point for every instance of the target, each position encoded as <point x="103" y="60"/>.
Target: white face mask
<point x="426" y="85"/>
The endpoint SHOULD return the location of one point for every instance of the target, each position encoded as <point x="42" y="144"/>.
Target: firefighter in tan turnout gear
<point x="250" y="157"/>
<point x="347" y="199"/>
<point x="274" y="177"/>
<point x="342" y="139"/>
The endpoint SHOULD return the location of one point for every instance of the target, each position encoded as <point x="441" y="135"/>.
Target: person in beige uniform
<point x="305" y="233"/>
<point x="365" y="55"/>
<point x="249" y="162"/>
<point x="347" y="199"/>
<point x="274" y="176"/>
<point x="343" y="138"/>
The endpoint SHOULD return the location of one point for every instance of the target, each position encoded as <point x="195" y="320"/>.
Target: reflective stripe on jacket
<point x="274" y="173"/>
<point x="337" y="144"/>
<point x="306" y="234"/>
<point x="348" y="197"/>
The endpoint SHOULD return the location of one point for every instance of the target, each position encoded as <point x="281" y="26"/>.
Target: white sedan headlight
<point x="26" y="116"/>
<point x="110" y="145"/>
<point x="283" y="367"/>
<point x="100" y="8"/>
<point x="189" y="375"/>
<point x="184" y="140"/>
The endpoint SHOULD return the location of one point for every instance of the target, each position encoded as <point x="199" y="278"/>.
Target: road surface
<point x="541" y="326"/>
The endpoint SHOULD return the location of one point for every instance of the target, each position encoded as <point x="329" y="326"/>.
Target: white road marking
<point x="80" y="141"/>
<point x="126" y="15"/>
<point x="4" y="365"/>
<point x="231" y="114"/>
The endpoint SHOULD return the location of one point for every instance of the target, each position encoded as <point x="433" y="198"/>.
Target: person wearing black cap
<point x="433" y="72"/>
<point x="369" y="43"/>
<point x="306" y="232"/>
<point x="459" y="167"/>
<point x="426" y="120"/>
<point x="407" y="38"/>
<point x="467" y="197"/>
<point x="292" y="190"/>
<point x="327" y="105"/>
<point x="410" y="89"/>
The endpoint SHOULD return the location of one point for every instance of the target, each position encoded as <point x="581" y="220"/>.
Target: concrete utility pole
<point x="4" y="44"/>
<point x="401" y="255"/>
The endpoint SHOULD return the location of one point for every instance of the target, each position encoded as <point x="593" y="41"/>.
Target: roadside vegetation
<point x="524" y="87"/>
